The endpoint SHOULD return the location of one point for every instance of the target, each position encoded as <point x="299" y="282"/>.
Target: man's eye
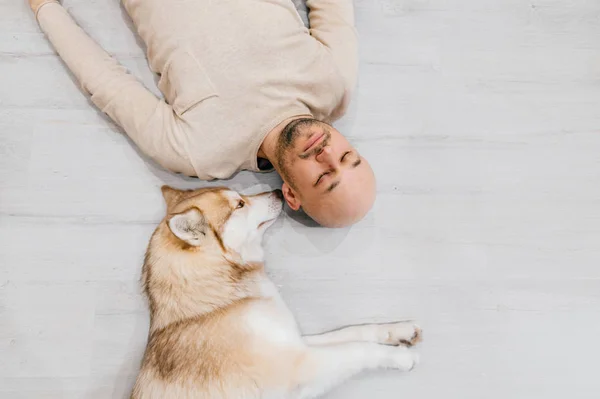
<point x="322" y="176"/>
<point x="344" y="156"/>
<point x="240" y="204"/>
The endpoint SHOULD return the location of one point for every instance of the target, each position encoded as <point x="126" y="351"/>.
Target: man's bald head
<point x="324" y="174"/>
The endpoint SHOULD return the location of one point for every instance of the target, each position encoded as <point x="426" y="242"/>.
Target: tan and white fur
<point x="219" y="328"/>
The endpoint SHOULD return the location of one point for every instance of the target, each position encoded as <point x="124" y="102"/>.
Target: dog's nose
<point x="278" y="194"/>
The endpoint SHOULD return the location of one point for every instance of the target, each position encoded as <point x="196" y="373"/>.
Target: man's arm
<point x="150" y="122"/>
<point x="332" y="23"/>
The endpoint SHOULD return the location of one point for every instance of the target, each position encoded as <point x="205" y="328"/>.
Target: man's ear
<point x="190" y="226"/>
<point x="290" y="197"/>
<point x="171" y="195"/>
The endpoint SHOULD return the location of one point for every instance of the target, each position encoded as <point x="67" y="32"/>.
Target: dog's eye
<point x="240" y="204"/>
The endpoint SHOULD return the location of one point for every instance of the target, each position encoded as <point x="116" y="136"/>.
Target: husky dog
<point x="219" y="328"/>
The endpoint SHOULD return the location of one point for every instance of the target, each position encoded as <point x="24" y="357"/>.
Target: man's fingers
<point x="36" y="4"/>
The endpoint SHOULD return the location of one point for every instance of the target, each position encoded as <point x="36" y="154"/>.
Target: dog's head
<point x="221" y="219"/>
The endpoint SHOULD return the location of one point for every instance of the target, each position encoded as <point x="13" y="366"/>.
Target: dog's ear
<point x="170" y="195"/>
<point x="190" y="226"/>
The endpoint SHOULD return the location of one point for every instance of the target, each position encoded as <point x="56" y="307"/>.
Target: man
<point x="247" y="86"/>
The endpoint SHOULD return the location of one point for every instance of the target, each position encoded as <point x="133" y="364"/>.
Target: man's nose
<point x="325" y="156"/>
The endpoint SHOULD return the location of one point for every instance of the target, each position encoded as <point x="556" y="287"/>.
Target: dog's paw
<point x="402" y="359"/>
<point x="405" y="333"/>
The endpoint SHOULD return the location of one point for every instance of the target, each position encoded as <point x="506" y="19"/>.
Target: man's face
<point x="323" y="172"/>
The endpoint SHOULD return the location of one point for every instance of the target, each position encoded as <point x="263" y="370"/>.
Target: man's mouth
<point x="313" y="140"/>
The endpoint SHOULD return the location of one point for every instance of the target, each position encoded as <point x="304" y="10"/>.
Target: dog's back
<point x="206" y="303"/>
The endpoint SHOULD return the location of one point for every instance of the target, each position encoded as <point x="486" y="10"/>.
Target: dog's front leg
<point x="323" y="367"/>
<point x="404" y="332"/>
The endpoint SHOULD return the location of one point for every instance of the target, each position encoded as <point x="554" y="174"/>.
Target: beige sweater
<point x="231" y="70"/>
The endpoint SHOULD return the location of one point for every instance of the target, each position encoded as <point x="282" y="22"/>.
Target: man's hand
<point x="36" y="4"/>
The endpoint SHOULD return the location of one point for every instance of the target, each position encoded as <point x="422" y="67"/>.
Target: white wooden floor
<point x="482" y="121"/>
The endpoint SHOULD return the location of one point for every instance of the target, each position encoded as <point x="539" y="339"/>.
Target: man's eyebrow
<point x="357" y="162"/>
<point x="332" y="186"/>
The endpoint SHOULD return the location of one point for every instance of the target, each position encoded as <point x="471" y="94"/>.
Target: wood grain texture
<point x="481" y="119"/>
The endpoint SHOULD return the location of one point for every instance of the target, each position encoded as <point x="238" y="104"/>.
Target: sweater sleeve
<point x="332" y="23"/>
<point x="149" y="121"/>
